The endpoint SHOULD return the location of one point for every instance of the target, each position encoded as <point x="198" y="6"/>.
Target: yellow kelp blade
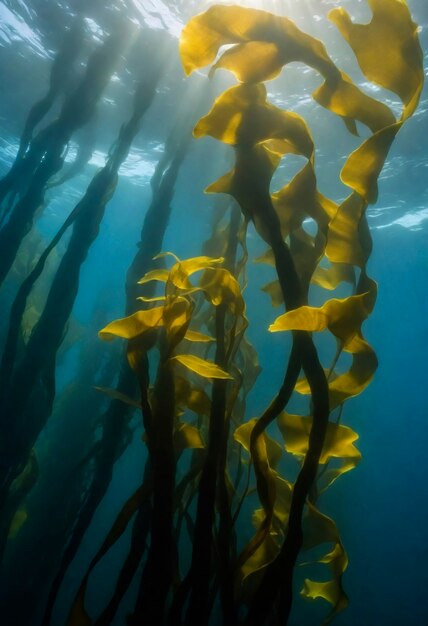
<point x="339" y="441"/>
<point x="17" y="523"/>
<point x="221" y="287"/>
<point x="273" y="290"/>
<point x="191" y="397"/>
<point x="331" y="277"/>
<point x="355" y="380"/>
<point x="180" y="272"/>
<point x="347" y="100"/>
<point x="330" y="591"/>
<point x="360" y="374"/>
<point x="343" y="242"/>
<point x="160" y="275"/>
<point x="387" y="49"/>
<point x="343" y="317"/>
<point x="242" y="115"/>
<point x="193" y="335"/>
<point x="204" y="34"/>
<point x="204" y="368"/>
<point x="177" y="314"/>
<point x="134" y="325"/>
<point x="362" y="168"/>
<point x="187" y="436"/>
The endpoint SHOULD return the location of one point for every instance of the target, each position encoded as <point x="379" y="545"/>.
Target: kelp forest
<point x="219" y="486"/>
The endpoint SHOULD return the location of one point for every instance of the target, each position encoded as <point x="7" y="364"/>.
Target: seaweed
<point x="116" y="417"/>
<point x="45" y="155"/>
<point x="40" y="351"/>
<point x="187" y="365"/>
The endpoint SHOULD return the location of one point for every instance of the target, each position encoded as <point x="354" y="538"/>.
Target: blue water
<point x="380" y="507"/>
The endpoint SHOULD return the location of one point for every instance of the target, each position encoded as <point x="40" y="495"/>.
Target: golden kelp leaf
<point x="251" y="365"/>
<point x="160" y="275"/>
<point x="193" y="335"/>
<point x="343" y="317"/>
<point x="343" y="244"/>
<point x="391" y="36"/>
<point x="114" y="394"/>
<point x="273" y="290"/>
<point x="180" y="272"/>
<point x="154" y="299"/>
<point x="331" y="277"/>
<point x="330" y="591"/>
<point x="204" y="368"/>
<point x="242" y="115"/>
<point x="220" y="287"/>
<point x="272" y="451"/>
<point x="194" y="399"/>
<point x="263" y="456"/>
<point x="177" y="314"/>
<point x="360" y="374"/>
<point x="251" y="62"/>
<point x="267" y="257"/>
<point x="362" y="168"/>
<point x="318" y="529"/>
<point x="338" y="443"/>
<point x="187" y="436"/>
<point x="347" y="100"/>
<point x="252" y="568"/>
<point x="204" y="34"/>
<point x="133" y="325"/>
<point x="297" y="200"/>
<point x="17" y="523"/>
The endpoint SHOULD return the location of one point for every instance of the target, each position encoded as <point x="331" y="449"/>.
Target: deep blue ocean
<point x="58" y="434"/>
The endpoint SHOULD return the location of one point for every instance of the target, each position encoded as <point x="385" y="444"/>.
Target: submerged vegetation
<point x="188" y="366"/>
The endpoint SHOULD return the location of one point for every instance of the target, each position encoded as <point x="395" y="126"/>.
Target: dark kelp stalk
<point x="223" y="522"/>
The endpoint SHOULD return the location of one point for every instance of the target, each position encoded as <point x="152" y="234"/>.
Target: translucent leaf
<point x="134" y="325"/>
<point x="204" y="368"/>
<point x="193" y="335"/>
<point x="17" y="523"/>
<point x="114" y="394"/>
<point x="188" y="436"/>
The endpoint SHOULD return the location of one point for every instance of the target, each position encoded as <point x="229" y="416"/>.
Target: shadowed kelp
<point x="46" y="152"/>
<point x="21" y="419"/>
<point x="63" y="69"/>
<point x="116" y="418"/>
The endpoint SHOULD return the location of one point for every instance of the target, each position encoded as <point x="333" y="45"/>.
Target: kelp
<point x="62" y="72"/>
<point x="46" y="152"/>
<point x="38" y="358"/>
<point x="55" y="499"/>
<point x="260" y="44"/>
<point x="115" y="419"/>
<point x="188" y="365"/>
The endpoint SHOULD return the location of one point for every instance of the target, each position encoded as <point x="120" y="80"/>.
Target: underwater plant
<point x="253" y="583"/>
<point x="222" y="517"/>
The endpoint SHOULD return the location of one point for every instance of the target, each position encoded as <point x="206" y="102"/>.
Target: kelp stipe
<point x="260" y="45"/>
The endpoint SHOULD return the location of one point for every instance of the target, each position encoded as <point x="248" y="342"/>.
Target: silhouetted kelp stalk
<point x="52" y="505"/>
<point x="22" y="422"/>
<point x="62" y="72"/>
<point x="46" y="152"/>
<point x="115" y="420"/>
<point x="261" y="134"/>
